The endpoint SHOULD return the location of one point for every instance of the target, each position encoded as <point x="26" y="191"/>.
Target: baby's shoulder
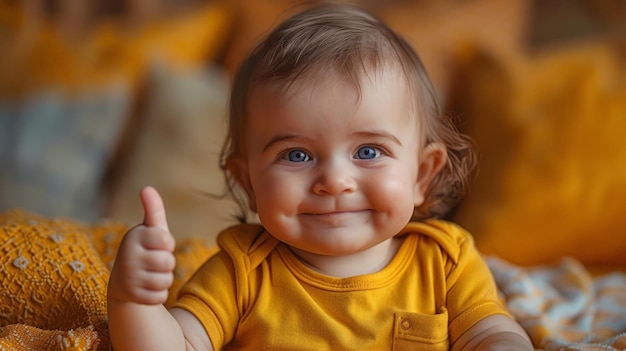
<point x="249" y="241"/>
<point x="451" y="238"/>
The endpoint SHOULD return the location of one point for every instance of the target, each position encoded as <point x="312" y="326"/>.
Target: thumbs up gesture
<point x="144" y="266"/>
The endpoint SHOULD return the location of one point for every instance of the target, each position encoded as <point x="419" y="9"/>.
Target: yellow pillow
<point x="54" y="275"/>
<point x="551" y="131"/>
<point x="21" y="337"/>
<point x="52" y="278"/>
<point x="109" y="51"/>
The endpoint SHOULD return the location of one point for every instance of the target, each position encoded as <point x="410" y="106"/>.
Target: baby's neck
<point x="364" y="262"/>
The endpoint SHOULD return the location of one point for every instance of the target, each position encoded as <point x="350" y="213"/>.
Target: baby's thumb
<point x="153" y="208"/>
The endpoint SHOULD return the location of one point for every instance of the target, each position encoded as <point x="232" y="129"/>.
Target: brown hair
<point x="345" y="39"/>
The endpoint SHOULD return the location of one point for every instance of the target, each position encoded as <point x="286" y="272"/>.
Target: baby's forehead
<point x="321" y="77"/>
<point x="373" y="94"/>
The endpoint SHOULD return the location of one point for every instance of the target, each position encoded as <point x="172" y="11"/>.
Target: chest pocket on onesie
<point x="417" y="331"/>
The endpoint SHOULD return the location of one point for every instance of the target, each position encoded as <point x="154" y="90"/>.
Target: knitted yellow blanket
<point x="54" y="274"/>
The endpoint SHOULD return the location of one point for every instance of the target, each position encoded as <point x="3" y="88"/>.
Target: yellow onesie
<point x="256" y="295"/>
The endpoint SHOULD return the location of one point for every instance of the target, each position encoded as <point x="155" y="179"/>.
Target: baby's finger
<point x="151" y="297"/>
<point x="154" y="209"/>
<point x="159" y="261"/>
<point x="157" y="239"/>
<point x="157" y="281"/>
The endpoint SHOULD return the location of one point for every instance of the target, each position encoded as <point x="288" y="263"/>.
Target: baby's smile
<point x="338" y="218"/>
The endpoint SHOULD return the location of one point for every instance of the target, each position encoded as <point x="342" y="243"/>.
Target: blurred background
<point x="99" y="98"/>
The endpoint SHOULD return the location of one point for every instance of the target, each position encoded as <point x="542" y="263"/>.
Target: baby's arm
<point x="138" y="287"/>
<point x="496" y="332"/>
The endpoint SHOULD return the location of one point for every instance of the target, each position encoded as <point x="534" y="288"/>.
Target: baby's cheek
<point x="396" y="196"/>
<point x="277" y="196"/>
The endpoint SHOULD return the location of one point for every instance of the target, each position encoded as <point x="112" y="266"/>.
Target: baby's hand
<point x="144" y="265"/>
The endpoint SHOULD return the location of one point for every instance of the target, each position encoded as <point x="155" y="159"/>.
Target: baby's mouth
<point x="338" y="218"/>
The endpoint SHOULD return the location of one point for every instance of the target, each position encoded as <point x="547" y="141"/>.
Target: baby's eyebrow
<point x="376" y="134"/>
<point x="379" y="134"/>
<point x="281" y="138"/>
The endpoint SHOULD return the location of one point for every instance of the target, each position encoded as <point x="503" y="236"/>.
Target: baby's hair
<point x="334" y="38"/>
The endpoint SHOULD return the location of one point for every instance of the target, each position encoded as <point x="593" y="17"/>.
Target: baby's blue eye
<point x="367" y="152"/>
<point x="297" y="156"/>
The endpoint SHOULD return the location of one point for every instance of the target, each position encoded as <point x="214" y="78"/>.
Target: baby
<point x="337" y="142"/>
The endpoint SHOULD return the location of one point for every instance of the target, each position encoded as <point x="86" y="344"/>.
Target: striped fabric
<point x="564" y="306"/>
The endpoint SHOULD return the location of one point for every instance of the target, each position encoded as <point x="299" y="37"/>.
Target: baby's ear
<point x="238" y="169"/>
<point x="431" y="161"/>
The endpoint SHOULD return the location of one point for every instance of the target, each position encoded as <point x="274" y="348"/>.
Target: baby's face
<point x="332" y="174"/>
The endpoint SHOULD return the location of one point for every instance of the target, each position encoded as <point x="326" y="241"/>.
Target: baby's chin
<point x="338" y="248"/>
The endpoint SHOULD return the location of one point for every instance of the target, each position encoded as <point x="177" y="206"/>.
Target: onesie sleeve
<point x="219" y="293"/>
<point x="471" y="290"/>
<point x="210" y="296"/>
